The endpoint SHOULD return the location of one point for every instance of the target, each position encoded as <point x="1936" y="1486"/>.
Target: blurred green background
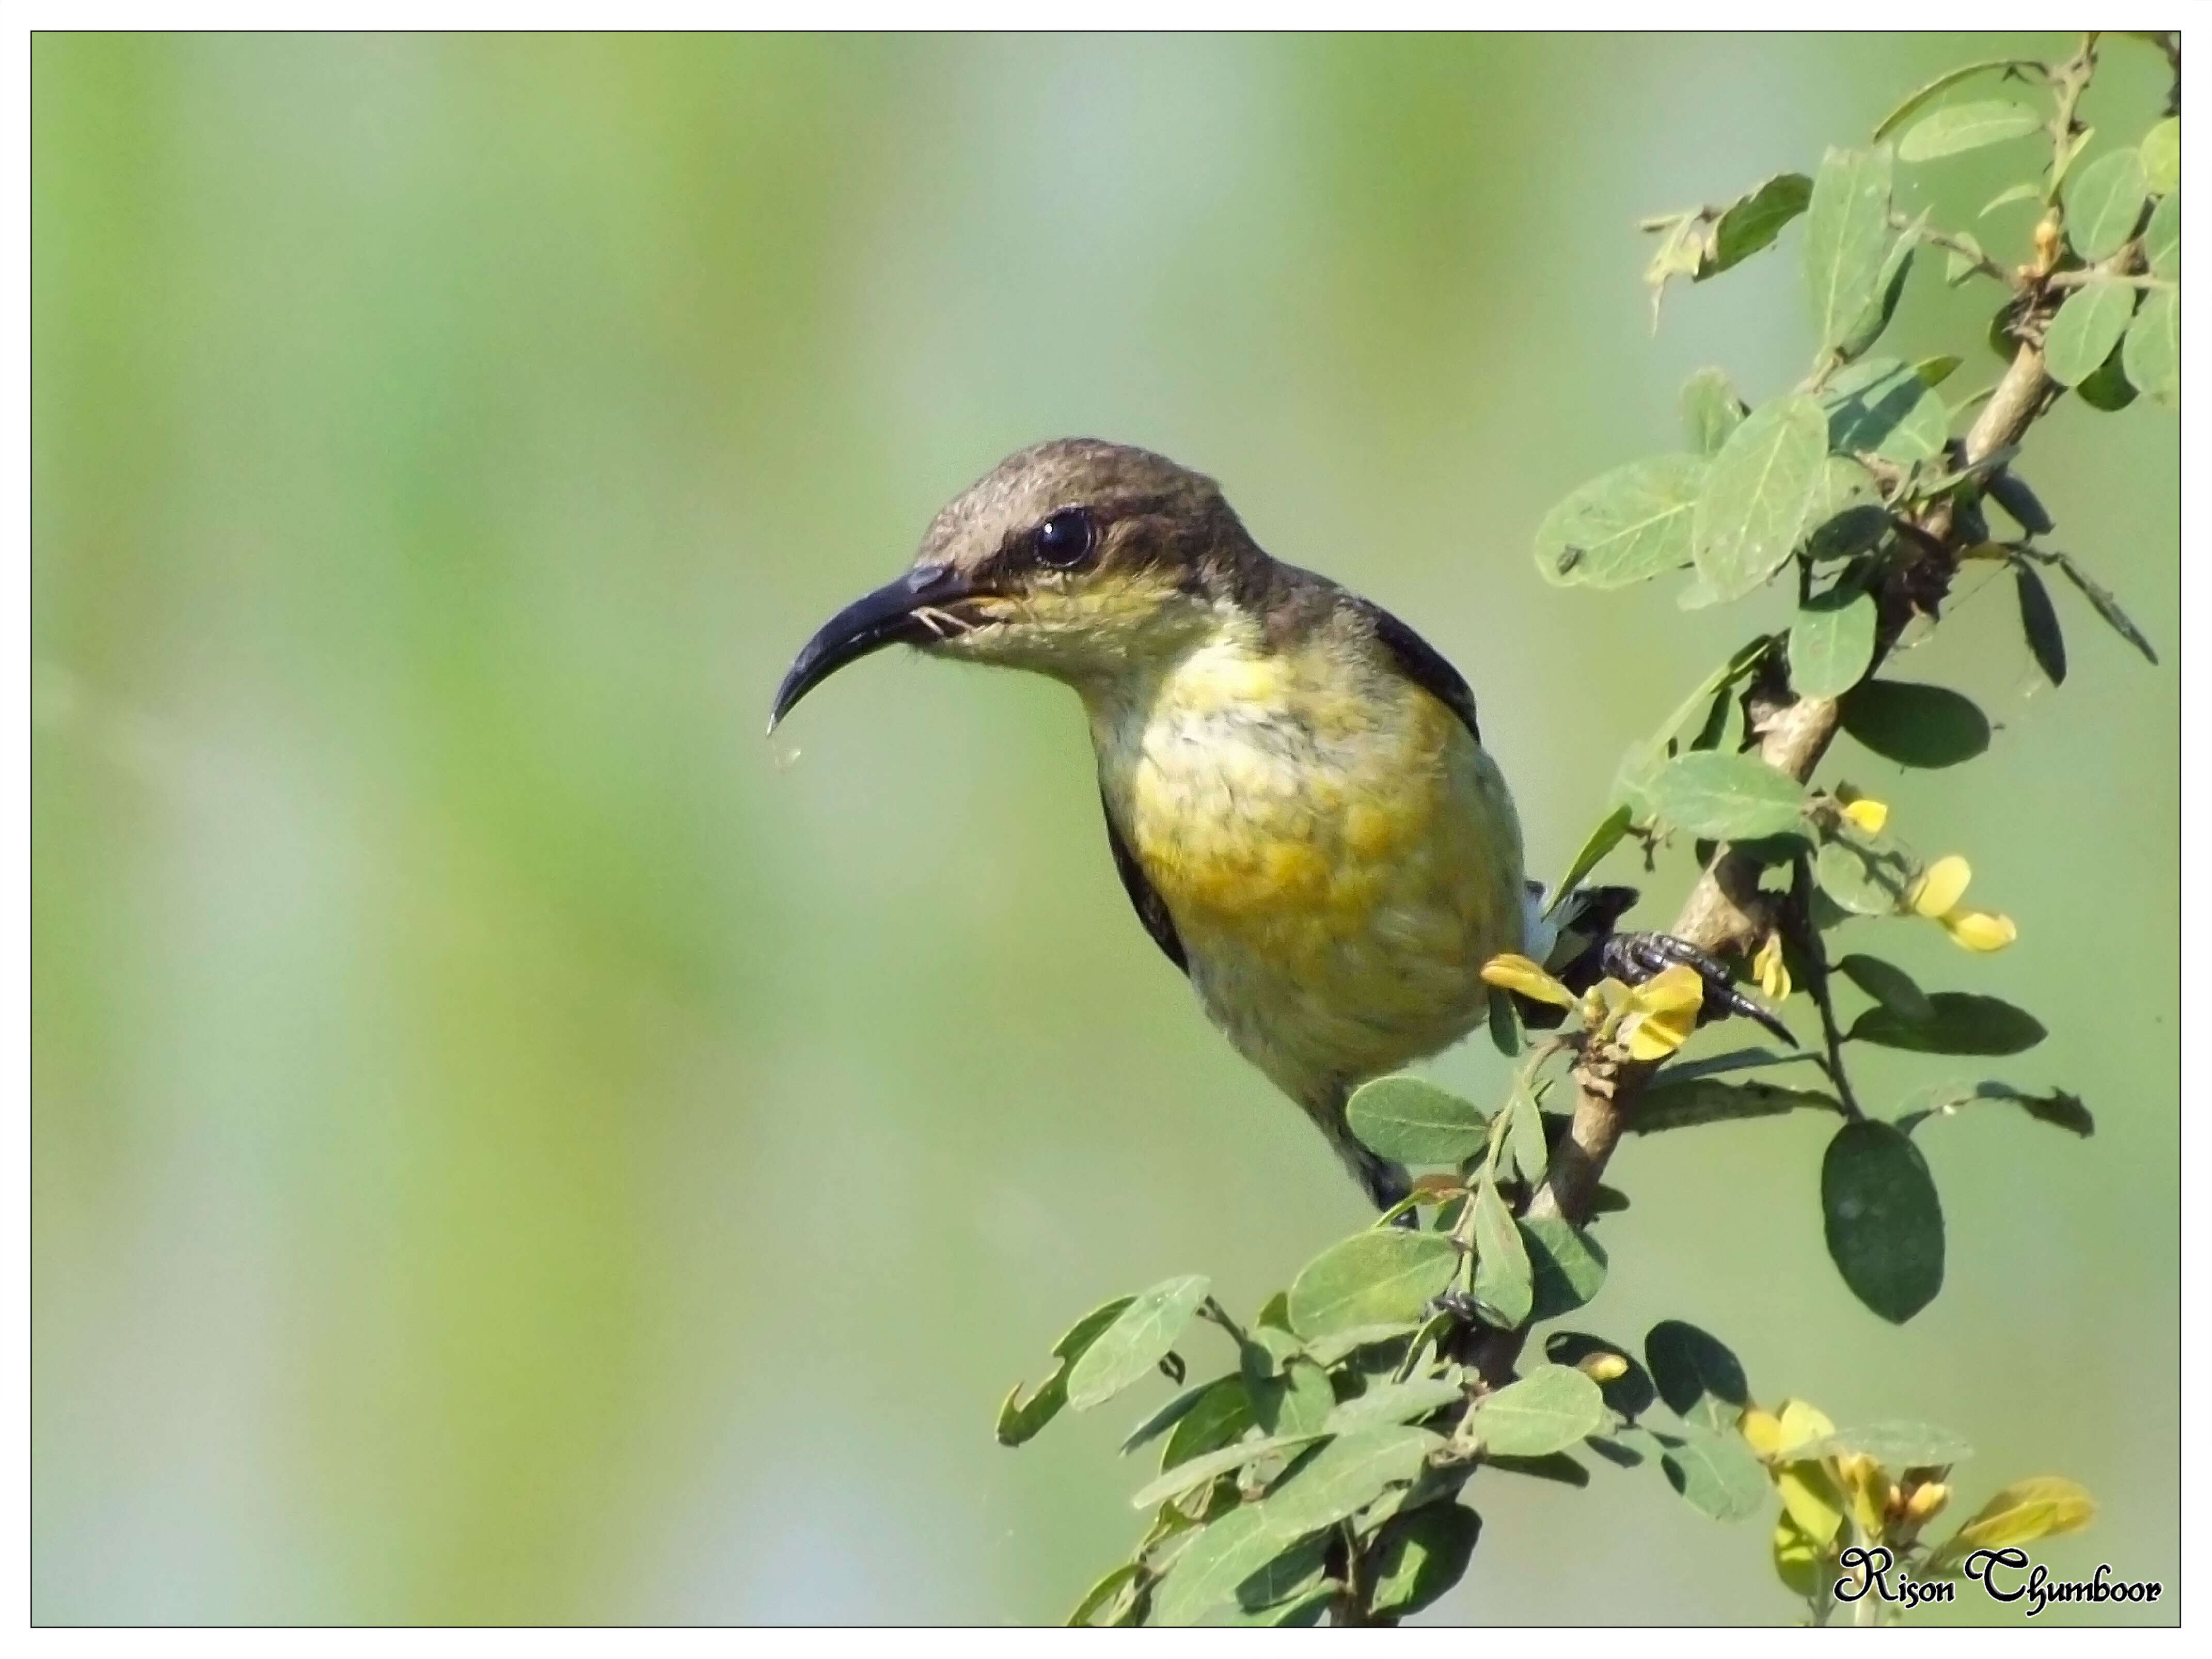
<point x="512" y="1144"/>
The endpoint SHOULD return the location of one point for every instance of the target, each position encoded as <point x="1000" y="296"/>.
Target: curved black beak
<point x="892" y="615"/>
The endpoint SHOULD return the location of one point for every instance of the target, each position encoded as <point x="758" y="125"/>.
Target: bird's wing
<point x="1423" y="664"/>
<point x="1152" y="908"/>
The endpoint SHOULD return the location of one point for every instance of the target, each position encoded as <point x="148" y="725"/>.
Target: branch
<point x="1725" y="912"/>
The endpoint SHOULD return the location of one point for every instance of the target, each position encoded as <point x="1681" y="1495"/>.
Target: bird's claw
<point x="1636" y="957"/>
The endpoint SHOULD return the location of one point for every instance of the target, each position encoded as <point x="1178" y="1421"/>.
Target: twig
<point x="1954" y="244"/>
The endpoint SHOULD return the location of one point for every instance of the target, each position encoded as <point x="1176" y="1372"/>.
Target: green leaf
<point x="1716" y="1473"/>
<point x="1757" y="495"/>
<point x="1889" y="286"/>
<point x="2102" y="601"/>
<point x="1753" y="220"/>
<point x="1888" y="985"/>
<point x="2151" y="354"/>
<point x="2088" y="329"/>
<point x="1566" y="1264"/>
<point x="1958" y="1022"/>
<point x="1962" y="261"/>
<point x="2007" y="197"/>
<point x="1286" y="1577"/>
<point x="1847" y="234"/>
<point x="2058" y="1108"/>
<point x="2103" y="203"/>
<point x="1625" y="526"/>
<point x="1173" y="1413"/>
<point x="1934" y="371"/>
<point x="1019" y="1419"/>
<point x="1216" y="1563"/>
<point x="2105" y="387"/>
<point x="1884" y="405"/>
<point x="1915" y="724"/>
<point x="1727" y="797"/>
<point x="1847" y="516"/>
<point x="1300" y="1611"/>
<point x="1416" y="1122"/>
<point x="2042" y="1506"/>
<point x="1546" y="1411"/>
<point x="2162" y="240"/>
<point x="1127" y="1351"/>
<point x="1095" y="1598"/>
<point x="2038" y="620"/>
<point x="1831" y="642"/>
<point x="1345" y="1475"/>
<point x="1524" y="1136"/>
<point x="1709" y="1100"/>
<point x="1897" y="1446"/>
<point x="1966" y="126"/>
<point x="1503" y="1022"/>
<point x="1420" y="1556"/>
<point x="1631" y="1394"/>
<point x="1711" y="409"/>
<point x="1299" y="1402"/>
<point x="1222" y="1414"/>
<point x="1396" y="1402"/>
<point x="1502" y="1278"/>
<point x="1884" y="1222"/>
<point x="1920" y="96"/>
<point x="1326" y="1351"/>
<point x="1697" y="1375"/>
<point x="1173" y="1482"/>
<point x="1381" y="1277"/>
<point x="1868" y="875"/>
<point x="2160" y="152"/>
<point x="1602" y="840"/>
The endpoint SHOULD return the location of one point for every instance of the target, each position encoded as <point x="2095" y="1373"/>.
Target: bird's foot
<point x="1636" y="957"/>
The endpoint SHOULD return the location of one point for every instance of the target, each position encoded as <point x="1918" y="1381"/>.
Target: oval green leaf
<point x="1711" y="409"/>
<point x="2088" y="329"/>
<point x="1566" y="1264"/>
<point x="1546" y="1411"/>
<point x="1197" y="1471"/>
<point x="1415" y="1121"/>
<point x="1888" y="985"/>
<point x="1832" y="643"/>
<point x="1696" y="1373"/>
<point x="1915" y="724"/>
<point x="1958" y="1023"/>
<point x="1019" y="1419"/>
<point x="1888" y="407"/>
<point x="1846" y="235"/>
<point x="1420" y="1556"/>
<point x="1753" y="220"/>
<point x="1897" y="1446"/>
<point x="1727" y="797"/>
<point x="2162" y="240"/>
<point x="2103" y="203"/>
<point x="1345" y="1476"/>
<point x="1757" y="494"/>
<point x="1632" y="524"/>
<point x="1127" y="1351"/>
<point x="1502" y="1278"/>
<point x="1883" y="1220"/>
<point x="1868" y="875"/>
<point x="1966" y="126"/>
<point x="1716" y="1472"/>
<point x="2161" y="151"/>
<point x="2151" y="354"/>
<point x="2039" y="622"/>
<point x="1386" y="1277"/>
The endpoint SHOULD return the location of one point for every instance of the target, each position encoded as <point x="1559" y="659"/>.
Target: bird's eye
<point x="1065" y="539"/>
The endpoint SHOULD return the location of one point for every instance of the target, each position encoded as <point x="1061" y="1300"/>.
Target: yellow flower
<point x="1937" y="894"/>
<point x="1979" y="930"/>
<point x="1941" y="886"/>
<point x="1924" y="1503"/>
<point x="1604" y="1367"/>
<point x="1663" y="1012"/>
<point x="1772" y="972"/>
<point x="1868" y="815"/>
<point x="1514" y="973"/>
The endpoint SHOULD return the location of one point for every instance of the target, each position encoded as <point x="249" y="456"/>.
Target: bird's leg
<point x="1636" y="957"/>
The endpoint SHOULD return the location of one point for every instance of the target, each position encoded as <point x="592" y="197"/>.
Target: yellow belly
<point x="1339" y="864"/>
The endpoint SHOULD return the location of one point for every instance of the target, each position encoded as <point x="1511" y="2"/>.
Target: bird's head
<point x="1085" y="561"/>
